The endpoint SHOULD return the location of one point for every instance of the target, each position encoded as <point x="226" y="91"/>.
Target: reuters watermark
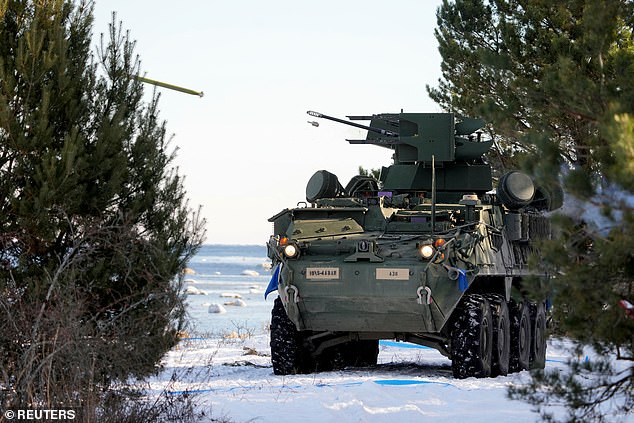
<point x="41" y="415"/>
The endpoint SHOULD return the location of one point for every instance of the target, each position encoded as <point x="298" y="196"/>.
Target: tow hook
<point x="419" y="293"/>
<point x="295" y="291"/>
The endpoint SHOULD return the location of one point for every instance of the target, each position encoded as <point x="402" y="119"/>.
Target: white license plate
<point x="392" y="274"/>
<point x="322" y="273"/>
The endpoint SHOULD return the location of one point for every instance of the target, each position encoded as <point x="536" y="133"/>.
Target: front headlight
<point x="290" y="250"/>
<point x="426" y="251"/>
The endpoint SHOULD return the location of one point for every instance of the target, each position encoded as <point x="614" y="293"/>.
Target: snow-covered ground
<point x="228" y="375"/>
<point x="232" y="378"/>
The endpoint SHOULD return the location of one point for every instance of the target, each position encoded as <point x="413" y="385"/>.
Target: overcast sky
<point x="245" y="148"/>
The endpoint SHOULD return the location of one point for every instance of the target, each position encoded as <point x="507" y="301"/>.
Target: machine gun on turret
<point x="356" y="125"/>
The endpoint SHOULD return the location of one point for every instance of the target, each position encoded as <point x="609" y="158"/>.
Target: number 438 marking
<point x="400" y="274"/>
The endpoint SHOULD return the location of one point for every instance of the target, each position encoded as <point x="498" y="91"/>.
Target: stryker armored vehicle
<point x="429" y="254"/>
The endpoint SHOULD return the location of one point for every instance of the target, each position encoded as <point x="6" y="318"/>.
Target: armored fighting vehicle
<point x="429" y="254"/>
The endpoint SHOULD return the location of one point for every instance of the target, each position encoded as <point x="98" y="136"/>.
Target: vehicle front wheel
<point x="472" y="338"/>
<point x="288" y="355"/>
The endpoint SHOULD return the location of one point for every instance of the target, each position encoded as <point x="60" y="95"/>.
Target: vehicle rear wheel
<point x="538" y="344"/>
<point x="501" y="335"/>
<point x="520" y="336"/>
<point x="362" y="353"/>
<point x="471" y="338"/>
<point x="288" y="355"/>
<point x="350" y="354"/>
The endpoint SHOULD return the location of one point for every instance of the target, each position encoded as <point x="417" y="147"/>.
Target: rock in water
<point x="236" y="303"/>
<point x="216" y="308"/>
<point x="192" y="290"/>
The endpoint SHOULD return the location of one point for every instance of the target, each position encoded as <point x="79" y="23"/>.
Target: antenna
<point x="433" y="194"/>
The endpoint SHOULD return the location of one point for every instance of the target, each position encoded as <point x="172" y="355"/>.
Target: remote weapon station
<point x="428" y="254"/>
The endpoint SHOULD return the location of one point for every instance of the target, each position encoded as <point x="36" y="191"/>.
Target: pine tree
<point x="95" y="229"/>
<point x="373" y="173"/>
<point x="556" y="81"/>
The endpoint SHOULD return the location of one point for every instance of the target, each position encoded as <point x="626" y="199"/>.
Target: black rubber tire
<point x="521" y="335"/>
<point x="539" y="336"/>
<point x="472" y="338"/>
<point x="362" y="353"/>
<point x="287" y="353"/>
<point x="333" y="358"/>
<point x="501" y="335"/>
<point x="351" y="354"/>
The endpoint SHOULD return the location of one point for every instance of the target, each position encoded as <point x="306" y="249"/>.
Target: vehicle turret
<point x="424" y="142"/>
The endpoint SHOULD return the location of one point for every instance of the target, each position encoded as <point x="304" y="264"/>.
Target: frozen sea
<point x="225" y="274"/>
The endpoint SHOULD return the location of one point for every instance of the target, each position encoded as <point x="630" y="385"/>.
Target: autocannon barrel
<point x="356" y="125"/>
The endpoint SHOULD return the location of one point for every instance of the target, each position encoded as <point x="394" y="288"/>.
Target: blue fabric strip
<point x="274" y="280"/>
<point x="463" y="282"/>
